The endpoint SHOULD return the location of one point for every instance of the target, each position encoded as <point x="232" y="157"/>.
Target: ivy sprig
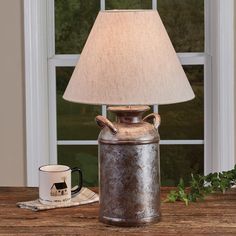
<point x="200" y="186"/>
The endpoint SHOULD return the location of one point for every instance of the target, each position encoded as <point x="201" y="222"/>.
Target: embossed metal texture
<point x="129" y="170"/>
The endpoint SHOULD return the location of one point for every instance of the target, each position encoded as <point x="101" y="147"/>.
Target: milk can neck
<point x="129" y="114"/>
<point x="129" y="118"/>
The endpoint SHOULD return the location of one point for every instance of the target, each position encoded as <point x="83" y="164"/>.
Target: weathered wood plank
<point x="216" y="215"/>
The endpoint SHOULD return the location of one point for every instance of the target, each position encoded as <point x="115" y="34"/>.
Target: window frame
<point x="40" y="64"/>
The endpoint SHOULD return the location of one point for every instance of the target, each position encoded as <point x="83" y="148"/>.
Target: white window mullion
<point x="182" y="142"/>
<point x="102" y="8"/>
<point x="154" y="4"/>
<point x="221" y="48"/>
<point x="51" y="28"/>
<point x="208" y="113"/>
<point x="77" y="142"/>
<point x="162" y="142"/>
<point x="226" y="85"/>
<point x="154" y="7"/>
<point x="65" y="60"/>
<point x="36" y="88"/>
<point x="52" y="112"/>
<point x="52" y="90"/>
<point x="189" y="58"/>
<point x="208" y="102"/>
<point x="102" y="5"/>
<point x="104" y="110"/>
<point x="155" y="108"/>
<point x="185" y="59"/>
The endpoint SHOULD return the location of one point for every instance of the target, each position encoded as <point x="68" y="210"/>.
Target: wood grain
<point x="215" y="216"/>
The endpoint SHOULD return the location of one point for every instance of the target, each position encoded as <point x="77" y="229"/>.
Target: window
<point x="182" y="129"/>
<point x="187" y="130"/>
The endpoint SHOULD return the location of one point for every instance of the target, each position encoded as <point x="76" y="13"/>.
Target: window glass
<point x="83" y="157"/>
<point x="74" y="121"/>
<point x="73" y="22"/>
<point x="128" y="4"/>
<point x="184" y="22"/>
<point x="183" y="19"/>
<point x="185" y="120"/>
<point x="179" y="161"/>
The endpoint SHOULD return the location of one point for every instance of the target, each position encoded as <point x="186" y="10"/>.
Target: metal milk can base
<point x="129" y="168"/>
<point x="129" y="223"/>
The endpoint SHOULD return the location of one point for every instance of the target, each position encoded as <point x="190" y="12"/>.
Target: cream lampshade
<point x="128" y="59"/>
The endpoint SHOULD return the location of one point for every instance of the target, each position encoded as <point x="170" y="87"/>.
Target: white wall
<point x="12" y="109"/>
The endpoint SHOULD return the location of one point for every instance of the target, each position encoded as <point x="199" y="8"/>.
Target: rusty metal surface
<point x="129" y="183"/>
<point x="138" y="133"/>
<point x="129" y="171"/>
<point x="156" y="119"/>
<point x="128" y="114"/>
<point x="103" y="122"/>
<point x="128" y="129"/>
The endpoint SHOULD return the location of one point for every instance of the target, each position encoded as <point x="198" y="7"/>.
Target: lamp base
<point x="129" y="168"/>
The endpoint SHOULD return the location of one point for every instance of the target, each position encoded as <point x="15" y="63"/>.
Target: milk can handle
<point x="103" y="121"/>
<point x="156" y="119"/>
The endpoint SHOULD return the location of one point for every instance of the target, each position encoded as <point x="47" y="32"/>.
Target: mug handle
<point x="80" y="180"/>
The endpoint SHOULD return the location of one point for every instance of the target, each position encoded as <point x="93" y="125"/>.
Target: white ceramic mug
<point x="55" y="184"/>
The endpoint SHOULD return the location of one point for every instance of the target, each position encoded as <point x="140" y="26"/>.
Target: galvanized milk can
<point x="129" y="169"/>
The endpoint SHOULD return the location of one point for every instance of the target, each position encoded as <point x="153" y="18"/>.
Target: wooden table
<point x="215" y="216"/>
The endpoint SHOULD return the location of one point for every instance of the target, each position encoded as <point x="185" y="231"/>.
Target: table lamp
<point x="128" y="62"/>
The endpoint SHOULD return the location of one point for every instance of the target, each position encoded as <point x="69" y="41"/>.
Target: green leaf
<point x="200" y="186"/>
<point x="172" y="196"/>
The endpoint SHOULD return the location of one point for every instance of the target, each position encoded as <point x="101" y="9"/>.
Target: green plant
<point x="200" y="186"/>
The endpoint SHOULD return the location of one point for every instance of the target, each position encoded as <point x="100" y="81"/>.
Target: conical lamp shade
<point x="128" y="59"/>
